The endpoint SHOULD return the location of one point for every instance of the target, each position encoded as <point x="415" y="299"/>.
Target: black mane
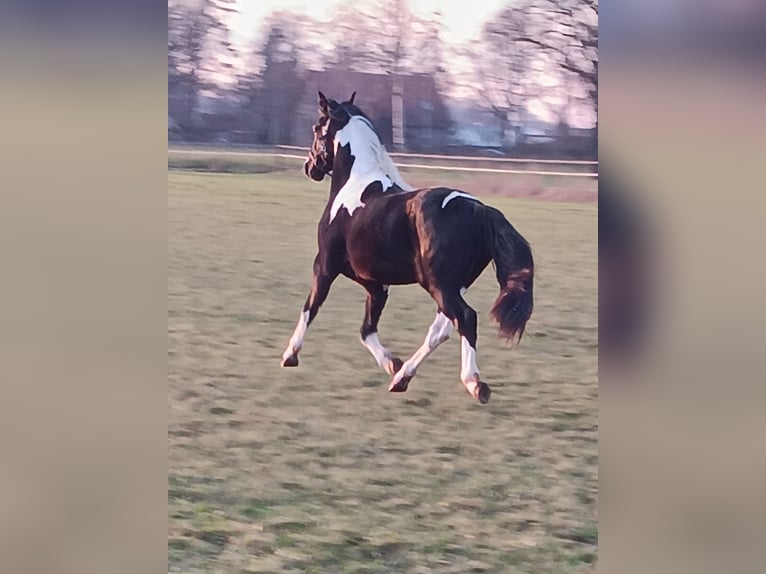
<point x="353" y="110"/>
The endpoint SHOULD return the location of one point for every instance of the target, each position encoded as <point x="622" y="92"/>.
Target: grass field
<point x="319" y="469"/>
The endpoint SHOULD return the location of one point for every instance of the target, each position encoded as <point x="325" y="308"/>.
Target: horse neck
<point x="341" y="172"/>
<point x="370" y="163"/>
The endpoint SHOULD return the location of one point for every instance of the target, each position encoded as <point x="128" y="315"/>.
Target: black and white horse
<point x="378" y="231"/>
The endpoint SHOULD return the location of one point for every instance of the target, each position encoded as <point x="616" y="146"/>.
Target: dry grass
<point x="319" y="469"/>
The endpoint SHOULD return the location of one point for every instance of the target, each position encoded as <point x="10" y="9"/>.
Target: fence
<point x="577" y="166"/>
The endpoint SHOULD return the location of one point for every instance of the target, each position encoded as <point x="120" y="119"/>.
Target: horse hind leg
<point x="456" y="308"/>
<point x="438" y="332"/>
<point x="377" y="295"/>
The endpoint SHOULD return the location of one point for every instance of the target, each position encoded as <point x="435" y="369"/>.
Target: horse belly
<point x="382" y="267"/>
<point x="387" y="261"/>
<point x="380" y="242"/>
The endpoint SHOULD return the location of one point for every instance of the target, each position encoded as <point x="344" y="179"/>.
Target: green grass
<point x="319" y="469"/>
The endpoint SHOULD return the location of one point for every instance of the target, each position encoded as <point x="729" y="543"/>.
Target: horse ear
<point x="322" y="103"/>
<point x="351" y="99"/>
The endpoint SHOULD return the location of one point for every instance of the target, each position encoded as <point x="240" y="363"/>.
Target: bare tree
<point x="274" y="84"/>
<point x="198" y="48"/>
<point x="566" y="32"/>
<point x="538" y="51"/>
<point x="425" y="53"/>
<point x="353" y="28"/>
<point x="505" y="68"/>
<point x="385" y="37"/>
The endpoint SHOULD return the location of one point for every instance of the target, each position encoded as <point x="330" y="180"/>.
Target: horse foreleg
<point x="377" y="295"/>
<point x="319" y="290"/>
<point x="438" y="332"/>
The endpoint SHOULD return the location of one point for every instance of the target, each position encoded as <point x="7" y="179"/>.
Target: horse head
<point x="333" y="116"/>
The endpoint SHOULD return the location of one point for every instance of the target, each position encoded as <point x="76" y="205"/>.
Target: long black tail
<point x="515" y="273"/>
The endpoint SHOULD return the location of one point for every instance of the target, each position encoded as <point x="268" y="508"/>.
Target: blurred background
<point x="487" y="77"/>
<point x="85" y="96"/>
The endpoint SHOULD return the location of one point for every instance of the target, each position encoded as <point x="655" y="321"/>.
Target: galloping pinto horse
<point x="378" y="231"/>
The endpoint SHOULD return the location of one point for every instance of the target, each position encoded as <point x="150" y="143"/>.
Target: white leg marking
<point x="381" y="354"/>
<point x="469" y="371"/>
<point x="455" y="194"/>
<point x="438" y="332"/>
<point x="296" y="341"/>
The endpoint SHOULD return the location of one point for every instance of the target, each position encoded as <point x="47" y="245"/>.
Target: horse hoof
<point x="483" y="392"/>
<point x="478" y="390"/>
<point x="399" y="386"/>
<point x="394" y="364"/>
<point x="291" y="361"/>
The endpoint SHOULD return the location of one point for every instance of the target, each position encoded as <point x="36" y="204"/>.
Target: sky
<point x="462" y="20"/>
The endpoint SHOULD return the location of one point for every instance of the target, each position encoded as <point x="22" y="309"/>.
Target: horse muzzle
<point x="313" y="172"/>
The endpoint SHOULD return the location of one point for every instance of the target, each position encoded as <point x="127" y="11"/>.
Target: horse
<point x="378" y="231"/>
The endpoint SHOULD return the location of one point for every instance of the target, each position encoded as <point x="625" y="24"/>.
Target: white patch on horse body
<point x="296" y="341"/>
<point x="371" y="163"/>
<point x="455" y="194"/>
<point x="381" y="354"/>
<point x="438" y="332"/>
<point x="469" y="371"/>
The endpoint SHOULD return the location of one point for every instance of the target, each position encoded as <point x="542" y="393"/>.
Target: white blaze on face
<point x="455" y="194"/>
<point x="296" y="341"/>
<point x="371" y="163"/>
